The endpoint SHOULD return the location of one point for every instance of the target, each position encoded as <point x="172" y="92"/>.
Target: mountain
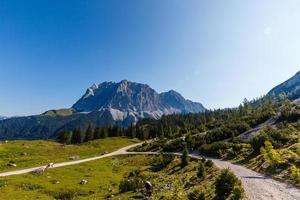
<point x="2" y="117"/>
<point x="128" y="98"/>
<point x="289" y="88"/>
<point x="102" y="104"/>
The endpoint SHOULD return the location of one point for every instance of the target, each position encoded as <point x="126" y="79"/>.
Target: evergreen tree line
<point x="78" y="136"/>
<point x="219" y="124"/>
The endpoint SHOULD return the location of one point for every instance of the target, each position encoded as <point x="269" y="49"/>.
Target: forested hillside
<point x="274" y="149"/>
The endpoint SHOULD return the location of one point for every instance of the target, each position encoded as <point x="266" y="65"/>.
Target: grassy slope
<point x="282" y="173"/>
<point x="104" y="177"/>
<point x="35" y="153"/>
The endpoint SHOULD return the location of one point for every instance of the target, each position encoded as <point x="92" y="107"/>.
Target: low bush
<point x="209" y="163"/>
<point x="295" y="173"/>
<point x="270" y="154"/>
<point x="66" y="195"/>
<point x="184" y="157"/>
<point x="228" y="186"/>
<point x="201" y="173"/>
<point x="175" y="145"/>
<point x="132" y="182"/>
<point x="30" y="186"/>
<point x="167" y="159"/>
<point x="216" y="149"/>
<point x="196" y="195"/>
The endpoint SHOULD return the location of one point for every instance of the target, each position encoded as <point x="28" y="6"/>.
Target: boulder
<point x="83" y="182"/>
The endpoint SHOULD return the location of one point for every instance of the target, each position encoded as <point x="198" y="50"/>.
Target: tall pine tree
<point x="64" y="137"/>
<point x="89" y="134"/>
<point x="76" y="136"/>
<point x="184" y="157"/>
<point x="97" y="133"/>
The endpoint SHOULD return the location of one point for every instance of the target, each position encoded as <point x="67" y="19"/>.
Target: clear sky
<point x="214" y="52"/>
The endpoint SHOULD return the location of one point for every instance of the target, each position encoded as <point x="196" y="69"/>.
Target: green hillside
<point x="26" y="154"/>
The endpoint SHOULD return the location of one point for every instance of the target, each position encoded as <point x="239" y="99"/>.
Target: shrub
<point x="184" y="157"/>
<point x="258" y="141"/>
<point x="295" y="172"/>
<point x="209" y="163"/>
<point x="201" y="174"/>
<point x="30" y="186"/>
<point x="238" y="192"/>
<point x="132" y="182"/>
<point x="3" y="183"/>
<point x="167" y="159"/>
<point x="175" y="145"/>
<point x="196" y="195"/>
<point x="66" y="195"/>
<point x="162" y="161"/>
<point x="225" y="184"/>
<point x="270" y="154"/>
<point x="216" y="149"/>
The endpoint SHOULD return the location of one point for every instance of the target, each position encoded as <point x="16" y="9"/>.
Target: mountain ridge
<point x="106" y="104"/>
<point x="2" y="117"/>
<point x="135" y="97"/>
<point x="289" y="88"/>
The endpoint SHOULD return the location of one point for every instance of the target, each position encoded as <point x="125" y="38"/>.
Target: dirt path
<point x="257" y="186"/>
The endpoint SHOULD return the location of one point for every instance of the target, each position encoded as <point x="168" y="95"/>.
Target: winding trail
<point x="257" y="186"/>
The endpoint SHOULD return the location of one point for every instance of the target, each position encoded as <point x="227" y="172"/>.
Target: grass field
<point x="35" y="153"/>
<point x="103" y="178"/>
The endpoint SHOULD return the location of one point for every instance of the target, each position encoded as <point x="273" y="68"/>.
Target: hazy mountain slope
<point x="290" y="88"/>
<point x="103" y="104"/>
<point x="2" y="117"/>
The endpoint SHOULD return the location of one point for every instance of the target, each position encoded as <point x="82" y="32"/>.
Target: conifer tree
<point x="97" y="133"/>
<point x="105" y="132"/>
<point x="184" y="157"/>
<point x="89" y="134"/>
<point x="76" y="136"/>
<point x="64" y="137"/>
<point x="201" y="171"/>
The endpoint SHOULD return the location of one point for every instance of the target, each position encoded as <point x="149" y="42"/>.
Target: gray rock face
<point x="290" y="88"/>
<point x="127" y="99"/>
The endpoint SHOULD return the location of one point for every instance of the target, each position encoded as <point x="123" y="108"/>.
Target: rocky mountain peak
<point x="126" y="96"/>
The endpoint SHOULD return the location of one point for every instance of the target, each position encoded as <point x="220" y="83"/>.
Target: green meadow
<point x="25" y="154"/>
<point x="104" y="177"/>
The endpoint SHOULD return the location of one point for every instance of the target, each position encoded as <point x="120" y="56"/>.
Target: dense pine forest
<point x="218" y="124"/>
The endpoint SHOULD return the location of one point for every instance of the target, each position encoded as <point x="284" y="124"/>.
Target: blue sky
<point x="214" y="52"/>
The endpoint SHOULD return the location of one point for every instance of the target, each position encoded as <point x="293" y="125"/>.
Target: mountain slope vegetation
<point x="274" y="150"/>
<point x="123" y="177"/>
<point x="289" y="88"/>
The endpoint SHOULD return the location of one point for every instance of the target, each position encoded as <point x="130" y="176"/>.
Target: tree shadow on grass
<point x="174" y="169"/>
<point x="156" y="167"/>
